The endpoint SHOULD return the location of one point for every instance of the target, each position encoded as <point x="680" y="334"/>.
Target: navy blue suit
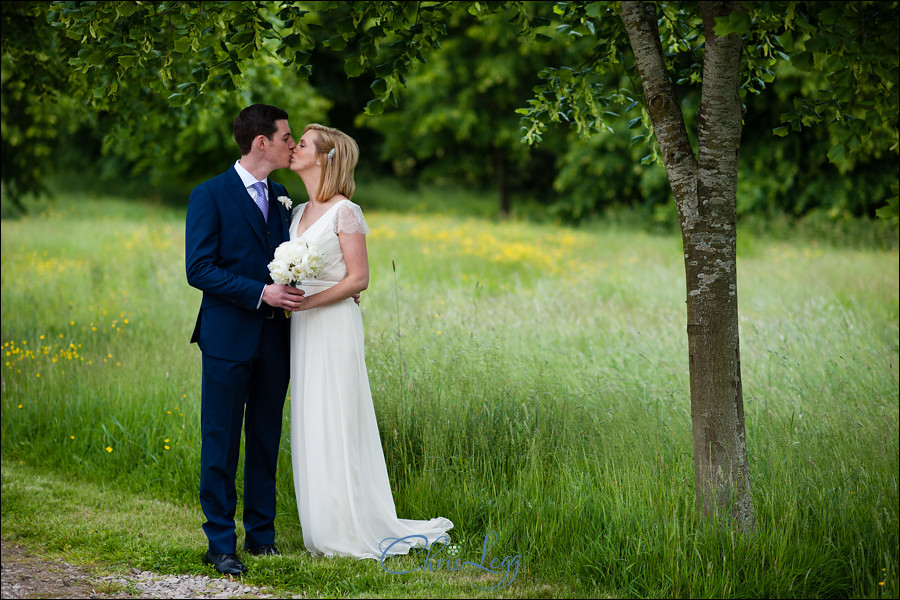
<point x="246" y="354"/>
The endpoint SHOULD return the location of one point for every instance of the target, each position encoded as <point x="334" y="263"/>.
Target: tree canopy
<point x="148" y="77"/>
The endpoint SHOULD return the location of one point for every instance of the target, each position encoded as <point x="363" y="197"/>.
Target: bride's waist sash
<point x="314" y="286"/>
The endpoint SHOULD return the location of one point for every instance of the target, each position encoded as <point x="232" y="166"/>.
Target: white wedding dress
<point x="340" y="478"/>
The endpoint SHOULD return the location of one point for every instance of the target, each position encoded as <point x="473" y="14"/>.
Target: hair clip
<point x="331" y="153"/>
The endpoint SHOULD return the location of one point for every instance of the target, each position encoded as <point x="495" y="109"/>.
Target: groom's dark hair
<point x="258" y="119"/>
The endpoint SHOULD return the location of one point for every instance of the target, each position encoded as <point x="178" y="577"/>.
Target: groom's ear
<point x="260" y="141"/>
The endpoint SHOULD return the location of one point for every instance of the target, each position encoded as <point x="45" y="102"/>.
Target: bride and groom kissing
<point x="256" y="336"/>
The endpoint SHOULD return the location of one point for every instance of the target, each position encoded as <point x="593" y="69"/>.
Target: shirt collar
<point x="246" y="178"/>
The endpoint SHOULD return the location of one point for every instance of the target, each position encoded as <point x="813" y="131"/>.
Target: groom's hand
<point x="283" y="296"/>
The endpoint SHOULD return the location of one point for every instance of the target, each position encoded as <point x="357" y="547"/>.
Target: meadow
<point x="530" y="383"/>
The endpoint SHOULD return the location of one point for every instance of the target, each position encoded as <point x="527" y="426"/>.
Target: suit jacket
<point x="227" y="251"/>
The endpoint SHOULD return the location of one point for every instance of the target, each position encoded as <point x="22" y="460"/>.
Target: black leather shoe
<point x="264" y="550"/>
<point x="227" y="564"/>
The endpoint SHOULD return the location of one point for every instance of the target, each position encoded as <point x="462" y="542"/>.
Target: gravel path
<point x="25" y="575"/>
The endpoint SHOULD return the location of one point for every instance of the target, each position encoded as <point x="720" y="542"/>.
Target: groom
<point x="234" y="223"/>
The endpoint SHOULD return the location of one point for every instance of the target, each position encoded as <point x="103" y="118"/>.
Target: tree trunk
<point x="705" y="190"/>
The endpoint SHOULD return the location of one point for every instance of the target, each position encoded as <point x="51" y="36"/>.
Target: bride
<point x="340" y="478"/>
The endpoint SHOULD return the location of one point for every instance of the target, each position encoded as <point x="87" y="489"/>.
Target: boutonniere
<point x="286" y="202"/>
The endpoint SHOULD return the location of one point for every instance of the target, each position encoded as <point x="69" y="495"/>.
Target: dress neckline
<point x="313" y="224"/>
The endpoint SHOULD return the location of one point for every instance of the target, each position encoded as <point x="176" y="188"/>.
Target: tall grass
<point x="528" y="380"/>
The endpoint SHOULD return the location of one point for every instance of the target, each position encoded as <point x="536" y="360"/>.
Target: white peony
<point x="286" y="202"/>
<point x="295" y="261"/>
<point x="280" y="272"/>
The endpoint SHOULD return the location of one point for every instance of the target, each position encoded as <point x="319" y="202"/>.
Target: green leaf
<point x="379" y="87"/>
<point x="888" y="212"/>
<point x="781" y="131"/>
<point x="384" y="69"/>
<point x="594" y="10"/>
<point x="337" y="43"/>
<point x="245" y="51"/>
<point x="818" y="43"/>
<point x="292" y="40"/>
<point x="241" y="37"/>
<point x="786" y="40"/>
<point x="835" y="62"/>
<point x="374" y="107"/>
<point x="837" y="153"/>
<point x="832" y="15"/>
<point x="224" y="81"/>
<point x="182" y="45"/>
<point x="735" y="22"/>
<point x="353" y="67"/>
<point x="125" y="9"/>
<point x="803" y="61"/>
<point x="345" y="25"/>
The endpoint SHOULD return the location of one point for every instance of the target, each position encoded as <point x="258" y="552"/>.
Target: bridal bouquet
<point x="295" y="261"/>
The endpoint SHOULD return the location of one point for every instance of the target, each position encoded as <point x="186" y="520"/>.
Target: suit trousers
<point x="234" y="392"/>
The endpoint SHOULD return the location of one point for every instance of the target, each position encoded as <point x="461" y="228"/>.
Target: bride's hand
<point x="283" y="296"/>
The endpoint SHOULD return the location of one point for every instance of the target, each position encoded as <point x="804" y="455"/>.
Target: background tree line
<point x="455" y="122"/>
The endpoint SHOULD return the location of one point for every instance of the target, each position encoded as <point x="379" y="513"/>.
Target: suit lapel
<point x="277" y="208"/>
<point x="245" y="205"/>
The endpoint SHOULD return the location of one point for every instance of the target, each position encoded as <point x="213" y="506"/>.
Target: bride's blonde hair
<point x="338" y="155"/>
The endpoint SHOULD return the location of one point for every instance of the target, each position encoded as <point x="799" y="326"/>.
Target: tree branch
<point x="662" y="104"/>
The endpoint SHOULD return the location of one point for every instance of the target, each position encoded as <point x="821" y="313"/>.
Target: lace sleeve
<point x="350" y="220"/>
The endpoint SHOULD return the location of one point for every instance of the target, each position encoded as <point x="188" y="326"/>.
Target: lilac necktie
<point x="261" y="201"/>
